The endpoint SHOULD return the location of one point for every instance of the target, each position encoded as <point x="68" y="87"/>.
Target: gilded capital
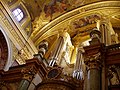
<point x="93" y="61"/>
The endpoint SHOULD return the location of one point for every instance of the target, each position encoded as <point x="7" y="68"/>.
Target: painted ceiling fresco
<point x="84" y="25"/>
<point x="59" y="7"/>
<point x="78" y="23"/>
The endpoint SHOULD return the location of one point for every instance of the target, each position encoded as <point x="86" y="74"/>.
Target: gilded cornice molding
<point x="81" y="11"/>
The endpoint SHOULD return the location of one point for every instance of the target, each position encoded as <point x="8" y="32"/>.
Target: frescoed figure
<point x="55" y="6"/>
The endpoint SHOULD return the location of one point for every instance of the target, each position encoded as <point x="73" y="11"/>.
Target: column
<point x="24" y="84"/>
<point x="95" y="36"/>
<point x="43" y="47"/>
<point x="78" y="68"/>
<point x="28" y="75"/>
<point x="57" y="49"/>
<point x="94" y="72"/>
<point x="107" y="31"/>
<point x="93" y="61"/>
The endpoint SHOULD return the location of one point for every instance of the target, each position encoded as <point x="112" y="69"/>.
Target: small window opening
<point x="18" y="13"/>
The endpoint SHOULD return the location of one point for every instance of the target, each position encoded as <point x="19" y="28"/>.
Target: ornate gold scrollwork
<point x="93" y="61"/>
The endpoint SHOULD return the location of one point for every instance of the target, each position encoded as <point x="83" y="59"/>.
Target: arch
<point x="9" y="50"/>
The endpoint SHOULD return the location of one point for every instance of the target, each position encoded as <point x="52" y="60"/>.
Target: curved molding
<point x="81" y="11"/>
<point x="9" y="60"/>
